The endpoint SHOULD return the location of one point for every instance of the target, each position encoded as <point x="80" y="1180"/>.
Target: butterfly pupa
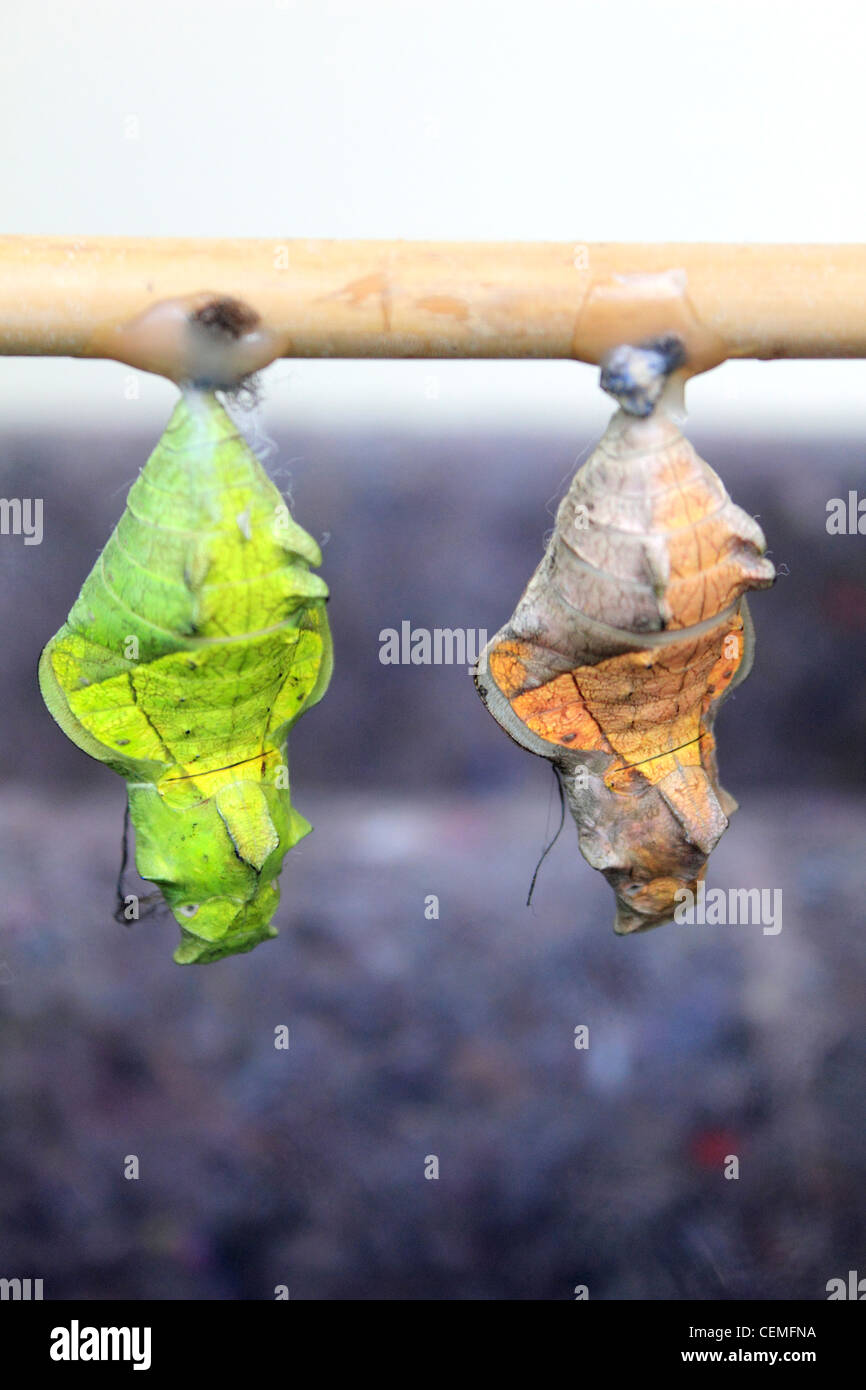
<point x="197" y="641"/>
<point x="628" y="637"/>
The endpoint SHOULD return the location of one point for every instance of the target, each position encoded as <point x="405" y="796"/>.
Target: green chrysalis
<point x="198" y="639"/>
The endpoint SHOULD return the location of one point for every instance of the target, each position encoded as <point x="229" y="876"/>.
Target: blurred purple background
<point x="454" y="1037"/>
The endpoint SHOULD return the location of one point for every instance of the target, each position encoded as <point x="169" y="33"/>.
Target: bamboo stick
<point x="95" y="297"/>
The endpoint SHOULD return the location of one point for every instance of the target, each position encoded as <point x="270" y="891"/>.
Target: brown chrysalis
<point x="626" y="640"/>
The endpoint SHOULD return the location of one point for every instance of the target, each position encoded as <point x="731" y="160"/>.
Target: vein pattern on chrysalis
<point x="197" y="641"/>
<point x="629" y="635"/>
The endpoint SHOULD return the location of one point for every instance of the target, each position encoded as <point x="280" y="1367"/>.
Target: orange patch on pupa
<point x="645" y="707"/>
<point x="507" y="666"/>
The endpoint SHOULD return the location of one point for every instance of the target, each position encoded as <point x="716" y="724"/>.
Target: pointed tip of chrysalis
<point x="199" y="417"/>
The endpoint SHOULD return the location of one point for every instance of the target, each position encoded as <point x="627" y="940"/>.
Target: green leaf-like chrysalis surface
<point x="198" y="639"/>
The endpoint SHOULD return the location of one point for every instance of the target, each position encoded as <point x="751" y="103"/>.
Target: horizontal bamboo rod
<point x="90" y="297"/>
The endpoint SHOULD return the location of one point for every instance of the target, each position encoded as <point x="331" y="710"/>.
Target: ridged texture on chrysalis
<point x="198" y="639"/>
<point x="628" y="637"/>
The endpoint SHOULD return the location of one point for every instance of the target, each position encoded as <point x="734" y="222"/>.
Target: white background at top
<point x="676" y="121"/>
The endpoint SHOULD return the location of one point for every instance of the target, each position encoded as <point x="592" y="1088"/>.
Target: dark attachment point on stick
<point x="636" y="375"/>
<point x="225" y="317"/>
